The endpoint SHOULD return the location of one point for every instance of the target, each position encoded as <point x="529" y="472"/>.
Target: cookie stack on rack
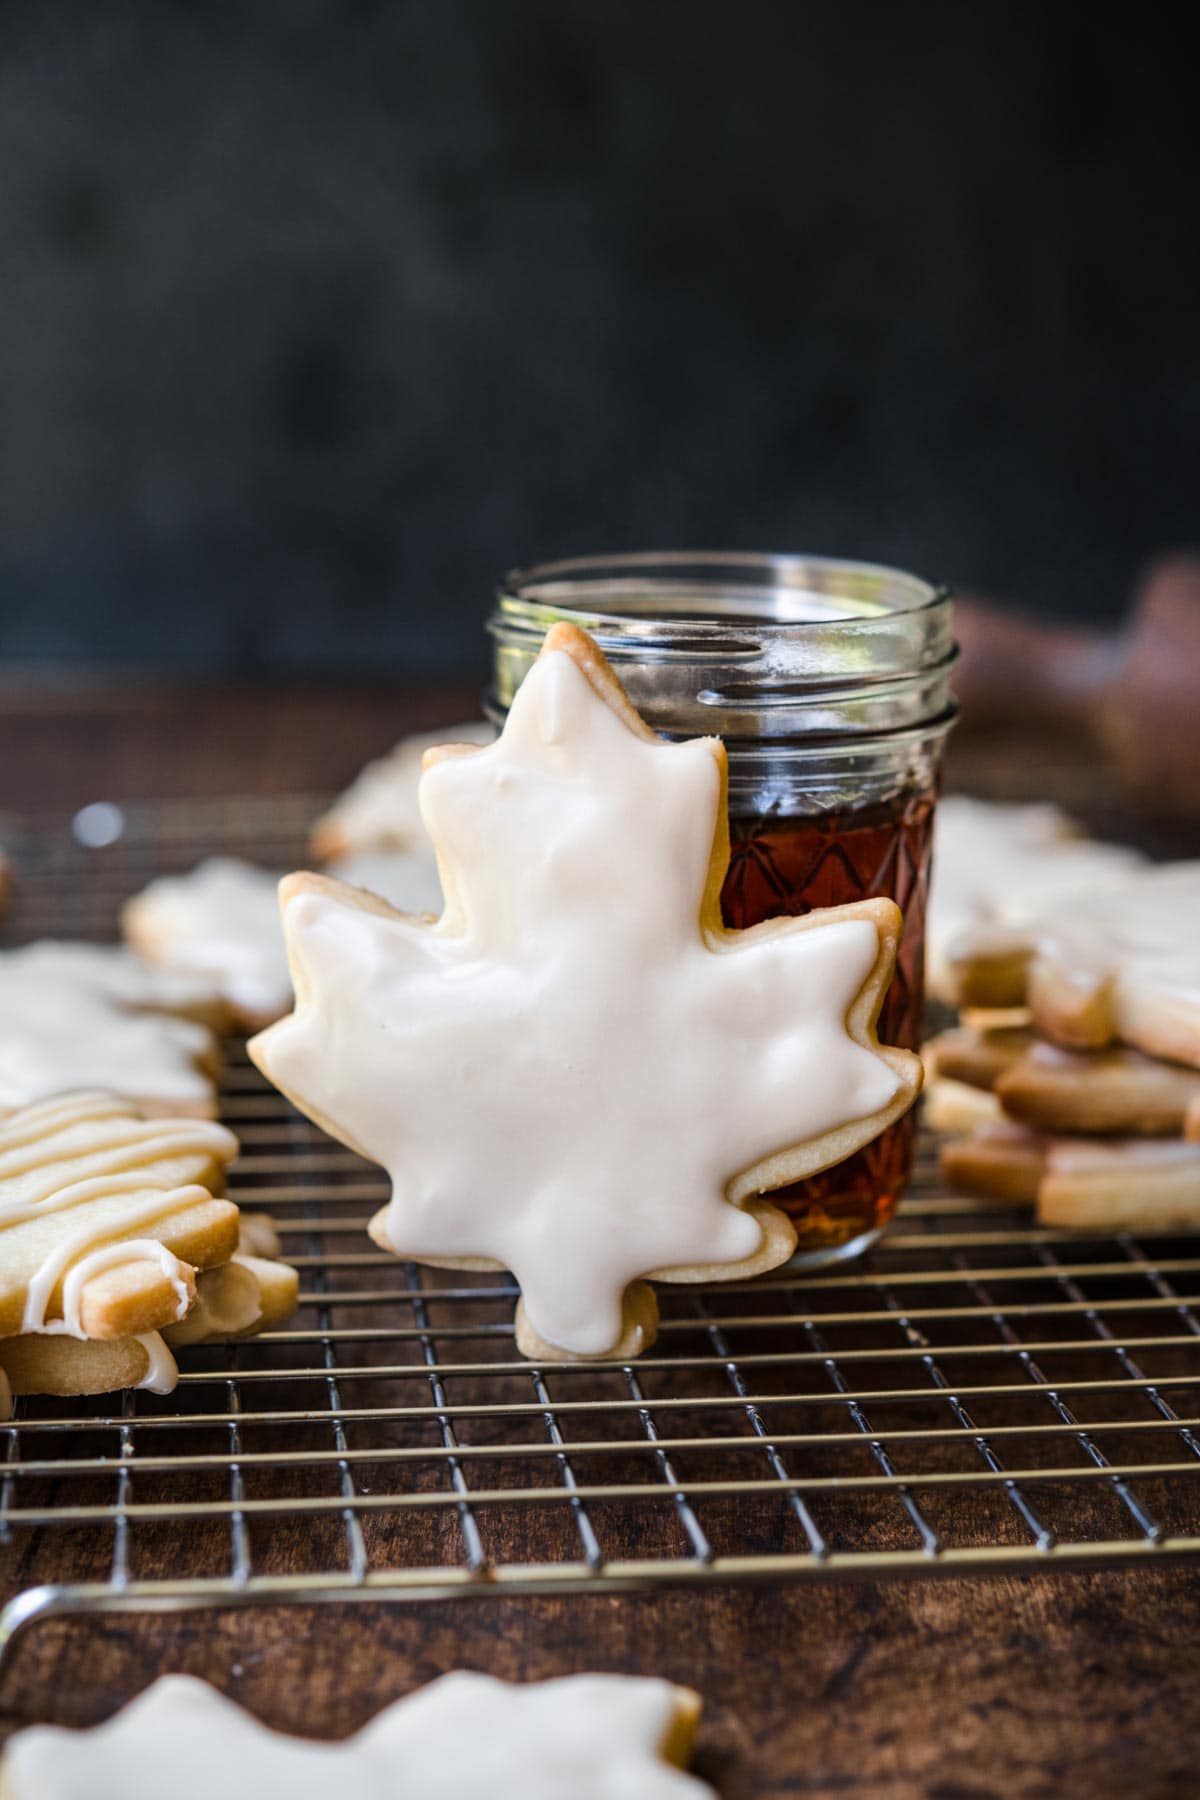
<point x="1072" y="1082"/>
<point x="117" y="1245"/>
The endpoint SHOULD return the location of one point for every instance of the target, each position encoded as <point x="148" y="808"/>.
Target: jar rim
<point x="702" y="579"/>
<point x="740" y="644"/>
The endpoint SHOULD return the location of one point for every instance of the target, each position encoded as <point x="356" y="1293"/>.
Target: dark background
<point x="316" y="315"/>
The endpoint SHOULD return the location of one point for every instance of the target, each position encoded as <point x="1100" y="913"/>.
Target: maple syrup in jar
<point x="829" y="683"/>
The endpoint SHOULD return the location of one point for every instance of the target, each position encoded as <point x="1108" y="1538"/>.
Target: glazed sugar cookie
<point x="465" y="1737"/>
<point x="119" y="975"/>
<point x="406" y="879"/>
<point x="113" y="1236"/>
<point x="1096" y="1092"/>
<point x="65" y="1025"/>
<point x="1086" y="1184"/>
<point x="379" y="810"/>
<point x="577" y="1073"/>
<point x="220" y="923"/>
<point x="1001" y="866"/>
<point x="1122" y="967"/>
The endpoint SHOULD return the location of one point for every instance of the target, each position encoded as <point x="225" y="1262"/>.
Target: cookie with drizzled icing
<point x="577" y="1073"/>
<point x="115" y="1239"/>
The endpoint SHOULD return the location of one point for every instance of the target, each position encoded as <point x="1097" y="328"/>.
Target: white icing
<point x="81" y="1135"/>
<point x="406" y="879"/>
<point x="59" y="1032"/>
<point x="465" y="1737"/>
<point x="1000" y="867"/>
<point x="380" y="809"/>
<point x="77" y="1258"/>
<point x="1145" y="935"/>
<point x="565" y="1074"/>
<point x="219" y="922"/>
<point x="77" y="1151"/>
<point x="117" y="972"/>
<point x="162" y="1371"/>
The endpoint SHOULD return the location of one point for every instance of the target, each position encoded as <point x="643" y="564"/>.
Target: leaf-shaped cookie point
<point x="577" y="1073"/>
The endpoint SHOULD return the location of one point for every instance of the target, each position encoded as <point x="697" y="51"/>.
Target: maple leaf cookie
<point x="406" y="879"/>
<point x="577" y="1073"/>
<point x="219" y="923"/>
<point x="464" y="1737"/>
<point x="115" y="1240"/>
<point x="379" y="810"/>
<point x="1079" y="1183"/>
<point x="86" y="1016"/>
<point x="997" y="867"/>
<point x="1122" y="967"/>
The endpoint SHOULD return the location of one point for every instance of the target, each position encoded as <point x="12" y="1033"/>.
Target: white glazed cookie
<point x="406" y="879"/>
<point x="219" y="923"/>
<point x="465" y="1737"/>
<point x="67" y="1021"/>
<point x="379" y="810"/>
<point x="998" y="867"/>
<point x="120" y="975"/>
<point x="1122" y="967"/>
<point x="113" y="1232"/>
<point x="577" y="1073"/>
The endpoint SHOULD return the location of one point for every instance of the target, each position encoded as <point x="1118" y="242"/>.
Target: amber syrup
<point x="782" y="866"/>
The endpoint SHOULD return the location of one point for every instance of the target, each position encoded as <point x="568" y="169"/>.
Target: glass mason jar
<point x="829" y="682"/>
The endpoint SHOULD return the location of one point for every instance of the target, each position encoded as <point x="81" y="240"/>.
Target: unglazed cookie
<point x="1086" y="1184"/>
<point x="577" y="1073"/>
<point x="1096" y="1092"/>
<point x="953" y="1108"/>
<point x="219" y="923"/>
<point x="379" y="810"/>
<point x="465" y="1737"/>
<point x="67" y="1022"/>
<point x="113" y="1232"/>
<point x="998" y="867"/>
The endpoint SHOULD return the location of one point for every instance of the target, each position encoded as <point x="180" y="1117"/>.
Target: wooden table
<point x="941" y="1688"/>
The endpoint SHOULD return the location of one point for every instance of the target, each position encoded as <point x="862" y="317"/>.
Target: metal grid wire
<point x="976" y="1396"/>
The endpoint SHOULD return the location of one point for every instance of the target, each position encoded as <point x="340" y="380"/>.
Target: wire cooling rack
<point x="977" y="1396"/>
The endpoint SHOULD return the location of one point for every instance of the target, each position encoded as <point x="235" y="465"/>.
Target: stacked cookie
<point x="116" y="1243"/>
<point x="1089" y="1107"/>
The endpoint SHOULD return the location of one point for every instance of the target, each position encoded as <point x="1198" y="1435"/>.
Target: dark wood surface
<point x="1043" y="1686"/>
